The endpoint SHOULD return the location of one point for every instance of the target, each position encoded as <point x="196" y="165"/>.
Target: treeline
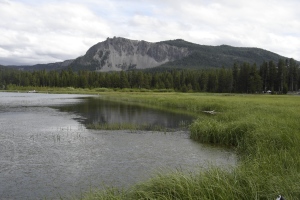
<point x="278" y="77"/>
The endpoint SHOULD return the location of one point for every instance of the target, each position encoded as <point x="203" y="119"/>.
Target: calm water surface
<point x="46" y="151"/>
<point x="100" y="111"/>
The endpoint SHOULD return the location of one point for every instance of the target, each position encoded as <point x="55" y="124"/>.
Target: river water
<point x="46" y="151"/>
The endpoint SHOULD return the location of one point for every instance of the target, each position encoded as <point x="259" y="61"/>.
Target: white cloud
<point x="244" y="23"/>
<point x="47" y="31"/>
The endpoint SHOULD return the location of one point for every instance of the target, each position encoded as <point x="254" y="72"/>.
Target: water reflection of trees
<point x="95" y="110"/>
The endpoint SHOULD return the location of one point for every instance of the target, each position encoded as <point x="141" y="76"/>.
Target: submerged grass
<point x="264" y="130"/>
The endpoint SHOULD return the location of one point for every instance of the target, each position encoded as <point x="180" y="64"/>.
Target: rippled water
<point x="48" y="152"/>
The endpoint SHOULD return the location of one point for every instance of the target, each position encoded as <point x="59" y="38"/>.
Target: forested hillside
<point x="240" y="78"/>
<point x="2" y="67"/>
<point x="204" y="56"/>
<point x="48" y="67"/>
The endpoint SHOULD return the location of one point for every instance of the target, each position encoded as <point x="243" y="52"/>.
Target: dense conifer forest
<point x="273" y="77"/>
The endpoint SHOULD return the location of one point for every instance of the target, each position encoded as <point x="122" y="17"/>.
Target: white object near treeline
<point x="280" y="197"/>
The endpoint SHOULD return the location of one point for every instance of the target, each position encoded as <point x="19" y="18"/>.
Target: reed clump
<point x="218" y="132"/>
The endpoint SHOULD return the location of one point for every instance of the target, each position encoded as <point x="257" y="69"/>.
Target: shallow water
<point x="95" y="110"/>
<point x="47" y="152"/>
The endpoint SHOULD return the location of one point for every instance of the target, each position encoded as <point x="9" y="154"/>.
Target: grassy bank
<point x="265" y="131"/>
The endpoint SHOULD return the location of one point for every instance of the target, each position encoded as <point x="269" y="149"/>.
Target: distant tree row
<point x="246" y="78"/>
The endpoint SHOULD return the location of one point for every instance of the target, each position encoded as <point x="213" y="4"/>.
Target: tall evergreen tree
<point x="255" y="81"/>
<point x="123" y="80"/>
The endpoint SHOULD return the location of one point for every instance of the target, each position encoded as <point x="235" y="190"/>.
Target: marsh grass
<point x="217" y="132"/>
<point x="128" y="126"/>
<point x="264" y="130"/>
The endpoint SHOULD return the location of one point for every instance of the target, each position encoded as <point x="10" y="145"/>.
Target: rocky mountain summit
<point x="116" y="54"/>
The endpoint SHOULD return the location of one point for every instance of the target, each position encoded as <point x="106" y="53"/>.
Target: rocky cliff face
<point x="116" y="54"/>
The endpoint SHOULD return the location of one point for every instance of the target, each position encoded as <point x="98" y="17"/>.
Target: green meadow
<point x="263" y="129"/>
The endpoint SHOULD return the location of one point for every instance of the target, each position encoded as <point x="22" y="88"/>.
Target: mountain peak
<point x="117" y="53"/>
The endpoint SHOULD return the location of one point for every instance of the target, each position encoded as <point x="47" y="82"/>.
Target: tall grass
<point x="264" y="130"/>
<point x="127" y="126"/>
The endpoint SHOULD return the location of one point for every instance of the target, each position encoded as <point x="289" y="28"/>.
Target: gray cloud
<point x="49" y="31"/>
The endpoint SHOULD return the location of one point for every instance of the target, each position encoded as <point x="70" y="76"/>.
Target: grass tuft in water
<point x="127" y="126"/>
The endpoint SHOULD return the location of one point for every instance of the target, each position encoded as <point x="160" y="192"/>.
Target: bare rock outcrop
<point x="116" y="54"/>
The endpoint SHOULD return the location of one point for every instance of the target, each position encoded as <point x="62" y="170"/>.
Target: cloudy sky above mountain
<point x="43" y="31"/>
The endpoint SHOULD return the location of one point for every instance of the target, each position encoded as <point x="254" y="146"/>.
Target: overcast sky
<point x="43" y="31"/>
